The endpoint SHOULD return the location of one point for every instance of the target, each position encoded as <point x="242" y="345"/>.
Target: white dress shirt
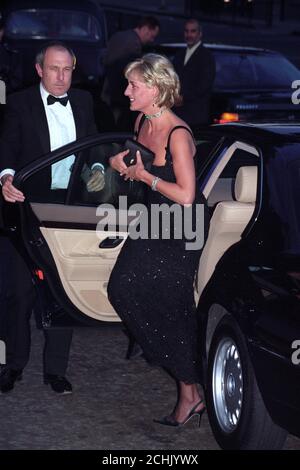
<point x="190" y="51"/>
<point x="62" y="131"/>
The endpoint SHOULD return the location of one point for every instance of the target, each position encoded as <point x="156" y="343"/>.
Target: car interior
<point x="231" y="193"/>
<point x="228" y="223"/>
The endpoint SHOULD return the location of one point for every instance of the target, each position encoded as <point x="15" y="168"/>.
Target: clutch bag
<point x="146" y="154"/>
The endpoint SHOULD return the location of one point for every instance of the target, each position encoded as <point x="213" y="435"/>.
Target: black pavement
<point x="112" y="406"/>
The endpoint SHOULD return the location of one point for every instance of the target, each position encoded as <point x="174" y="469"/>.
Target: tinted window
<point x="238" y="159"/>
<point x="223" y="190"/>
<point x="205" y="145"/>
<point x="53" y="23"/>
<point x="283" y="171"/>
<point x="253" y="71"/>
<point x="66" y="180"/>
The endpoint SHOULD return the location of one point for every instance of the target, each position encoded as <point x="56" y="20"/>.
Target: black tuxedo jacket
<point x="24" y="135"/>
<point x="196" y="79"/>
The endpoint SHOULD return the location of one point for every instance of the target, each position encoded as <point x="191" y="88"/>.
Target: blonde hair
<point x="156" y="70"/>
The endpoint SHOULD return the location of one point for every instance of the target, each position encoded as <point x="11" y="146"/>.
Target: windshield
<point x="49" y="24"/>
<point x="251" y="71"/>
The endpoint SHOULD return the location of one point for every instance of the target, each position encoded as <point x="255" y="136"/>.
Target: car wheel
<point x="237" y="414"/>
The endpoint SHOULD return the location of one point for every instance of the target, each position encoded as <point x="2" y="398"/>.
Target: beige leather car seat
<point x="228" y="223"/>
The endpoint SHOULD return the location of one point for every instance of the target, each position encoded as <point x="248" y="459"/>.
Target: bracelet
<point x="99" y="167"/>
<point x="154" y="183"/>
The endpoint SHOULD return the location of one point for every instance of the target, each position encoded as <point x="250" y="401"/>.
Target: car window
<point x="238" y="159"/>
<point x="253" y="71"/>
<point x="205" y="145"/>
<point x="218" y="184"/>
<point x="233" y="70"/>
<point x="48" y="23"/>
<point x="283" y="174"/>
<point x="66" y="180"/>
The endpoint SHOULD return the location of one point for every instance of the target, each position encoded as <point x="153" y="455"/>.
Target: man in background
<point x="196" y="69"/>
<point x="10" y="64"/>
<point x="123" y="47"/>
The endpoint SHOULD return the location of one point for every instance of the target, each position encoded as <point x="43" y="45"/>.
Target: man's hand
<point x="10" y="193"/>
<point x="96" y="181"/>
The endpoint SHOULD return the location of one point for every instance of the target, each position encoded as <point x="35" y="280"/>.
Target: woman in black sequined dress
<point x="151" y="285"/>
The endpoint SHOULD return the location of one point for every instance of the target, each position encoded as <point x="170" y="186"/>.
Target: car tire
<point x="237" y="413"/>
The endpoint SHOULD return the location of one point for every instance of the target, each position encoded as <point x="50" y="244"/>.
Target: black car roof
<point x="87" y="5"/>
<point x="266" y="132"/>
<point x="280" y="128"/>
<point x="224" y="47"/>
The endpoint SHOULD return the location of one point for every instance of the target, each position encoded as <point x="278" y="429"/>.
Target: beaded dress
<point x="151" y="289"/>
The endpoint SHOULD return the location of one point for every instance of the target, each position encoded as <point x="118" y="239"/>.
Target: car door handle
<point x="111" y="242"/>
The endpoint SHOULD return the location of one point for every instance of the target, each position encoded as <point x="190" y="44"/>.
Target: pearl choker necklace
<point x="155" y="115"/>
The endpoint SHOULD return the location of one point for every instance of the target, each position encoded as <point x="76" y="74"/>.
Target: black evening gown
<point x="152" y="289"/>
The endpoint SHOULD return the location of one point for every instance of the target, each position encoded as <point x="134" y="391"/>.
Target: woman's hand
<point x="135" y="172"/>
<point x="117" y="162"/>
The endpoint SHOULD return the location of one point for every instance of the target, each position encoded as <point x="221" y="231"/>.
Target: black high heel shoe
<point x="171" y="421"/>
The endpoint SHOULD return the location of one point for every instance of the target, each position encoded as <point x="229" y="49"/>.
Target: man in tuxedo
<point x="37" y="120"/>
<point x="196" y="69"/>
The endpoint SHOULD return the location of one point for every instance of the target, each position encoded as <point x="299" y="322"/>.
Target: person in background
<point x="10" y="64"/>
<point x="123" y="47"/>
<point x="37" y="120"/>
<point x="196" y="68"/>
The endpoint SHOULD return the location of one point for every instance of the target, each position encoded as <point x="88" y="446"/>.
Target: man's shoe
<point x="58" y="384"/>
<point x="8" y="377"/>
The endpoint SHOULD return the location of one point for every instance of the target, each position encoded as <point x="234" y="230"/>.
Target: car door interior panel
<point x="84" y="268"/>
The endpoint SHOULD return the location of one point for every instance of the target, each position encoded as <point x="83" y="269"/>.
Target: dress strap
<point x="168" y="153"/>
<point x="137" y="132"/>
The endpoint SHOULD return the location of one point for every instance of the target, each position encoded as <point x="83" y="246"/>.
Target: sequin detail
<point x="151" y="289"/>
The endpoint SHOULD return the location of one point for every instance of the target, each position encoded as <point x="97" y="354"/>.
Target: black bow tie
<point x="52" y="99"/>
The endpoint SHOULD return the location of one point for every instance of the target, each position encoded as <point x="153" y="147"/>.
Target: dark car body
<point x="251" y="84"/>
<point x="256" y="284"/>
<point x="79" y="24"/>
<point x="248" y="282"/>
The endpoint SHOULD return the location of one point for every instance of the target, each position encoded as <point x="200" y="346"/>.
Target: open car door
<point x="72" y="240"/>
